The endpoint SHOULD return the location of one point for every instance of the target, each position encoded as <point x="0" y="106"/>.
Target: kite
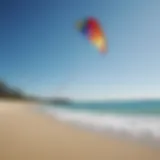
<point x="92" y="29"/>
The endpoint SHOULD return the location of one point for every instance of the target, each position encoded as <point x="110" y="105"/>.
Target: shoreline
<point x="143" y="136"/>
<point x="27" y="134"/>
<point x="108" y="133"/>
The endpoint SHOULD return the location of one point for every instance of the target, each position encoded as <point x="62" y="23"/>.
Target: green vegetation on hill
<point x="7" y="91"/>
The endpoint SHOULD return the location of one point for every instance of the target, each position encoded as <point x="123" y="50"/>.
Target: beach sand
<point x="29" y="135"/>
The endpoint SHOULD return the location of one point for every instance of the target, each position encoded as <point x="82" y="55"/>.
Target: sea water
<point x="139" y="119"/>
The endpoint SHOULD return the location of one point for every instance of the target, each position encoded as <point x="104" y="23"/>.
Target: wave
<point x="136" y="125"/>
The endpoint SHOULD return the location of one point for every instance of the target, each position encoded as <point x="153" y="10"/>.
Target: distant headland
<point x="12" y="93"/>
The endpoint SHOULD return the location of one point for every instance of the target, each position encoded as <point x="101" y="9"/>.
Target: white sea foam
<point x="136" y="125"/>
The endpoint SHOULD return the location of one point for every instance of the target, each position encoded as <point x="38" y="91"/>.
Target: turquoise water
<point x="137" y="118"/>
<point x="138" y="107"/>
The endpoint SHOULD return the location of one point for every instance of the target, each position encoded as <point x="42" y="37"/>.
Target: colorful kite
<point x="93" y="31"/>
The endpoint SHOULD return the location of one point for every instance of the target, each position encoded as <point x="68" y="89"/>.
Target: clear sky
<point x="42" y="52"/>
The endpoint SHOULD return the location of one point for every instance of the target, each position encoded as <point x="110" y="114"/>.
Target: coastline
<point x="27" y="134"/>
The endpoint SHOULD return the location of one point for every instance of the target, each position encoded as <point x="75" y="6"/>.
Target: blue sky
<point x="42" y="52"/>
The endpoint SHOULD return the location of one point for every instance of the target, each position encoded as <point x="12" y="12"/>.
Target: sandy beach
<point x="26" y="134"/>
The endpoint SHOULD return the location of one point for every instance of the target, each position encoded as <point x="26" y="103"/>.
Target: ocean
<point x="137" y="119"/>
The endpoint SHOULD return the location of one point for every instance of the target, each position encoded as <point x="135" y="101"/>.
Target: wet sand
<point x="26" y="134"/>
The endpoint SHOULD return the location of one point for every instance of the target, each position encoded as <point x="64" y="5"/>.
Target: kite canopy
<point x="91" y="28"/>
